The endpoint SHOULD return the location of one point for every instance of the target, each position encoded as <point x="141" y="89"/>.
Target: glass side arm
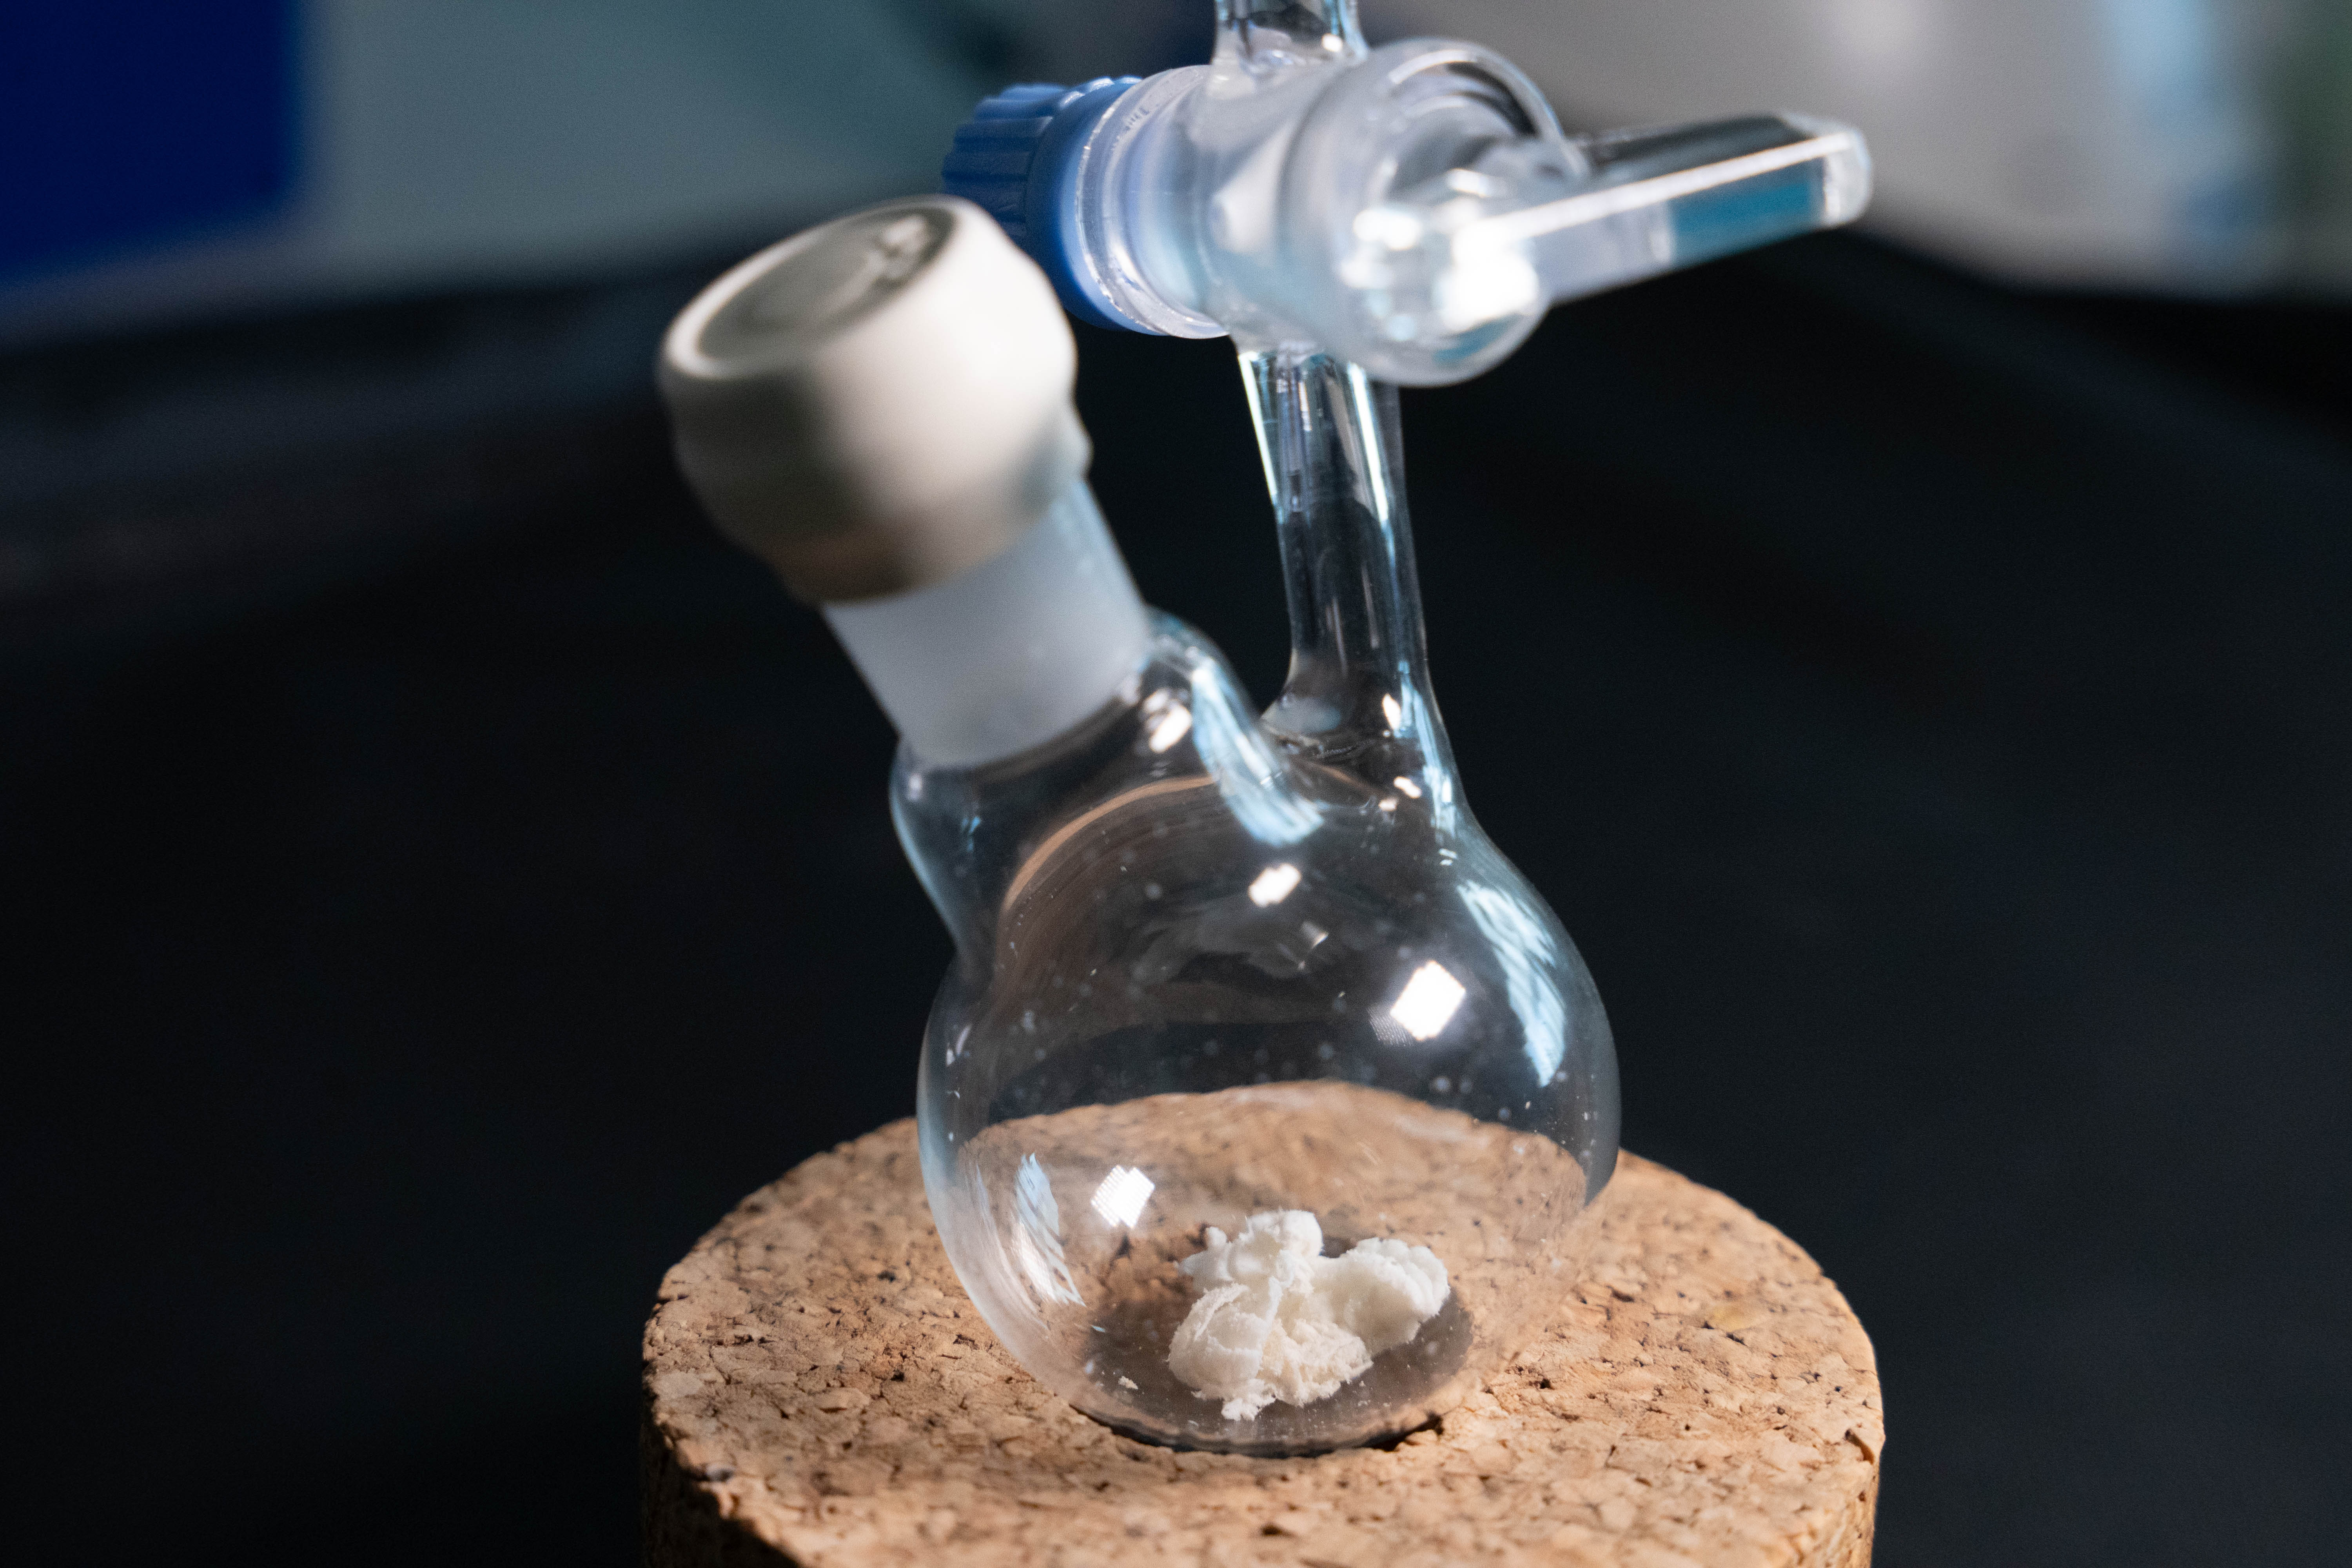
<point x="1532" y="223"/>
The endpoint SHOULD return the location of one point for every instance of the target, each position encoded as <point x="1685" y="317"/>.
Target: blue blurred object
<point x="126" y="121"/>
<point x="163" y="163"/>
<point x="994" y="155"/>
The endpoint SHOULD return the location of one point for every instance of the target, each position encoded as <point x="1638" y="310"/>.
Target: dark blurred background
<point x="438" y="877"/>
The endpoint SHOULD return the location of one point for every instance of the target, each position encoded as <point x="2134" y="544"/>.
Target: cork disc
<point x="819" y="1391"/>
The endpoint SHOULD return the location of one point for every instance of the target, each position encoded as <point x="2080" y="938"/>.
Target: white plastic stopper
<point x="880" y="404"/>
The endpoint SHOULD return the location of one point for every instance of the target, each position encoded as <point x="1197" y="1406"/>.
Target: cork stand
<point x="818" y="1390"/>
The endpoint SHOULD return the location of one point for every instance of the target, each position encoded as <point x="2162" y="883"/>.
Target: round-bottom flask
<point x="1262" y="1106"/>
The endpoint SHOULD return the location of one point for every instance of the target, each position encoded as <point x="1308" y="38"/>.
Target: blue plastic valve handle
<point x="1016" y="158"/>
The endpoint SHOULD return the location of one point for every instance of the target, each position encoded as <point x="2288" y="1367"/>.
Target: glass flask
<point x="1210" y="966"/>
<point x="1250" y="1029"/>
<point x="1264" y="1105"/>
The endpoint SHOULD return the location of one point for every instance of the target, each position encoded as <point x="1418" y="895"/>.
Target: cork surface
<point x="819" y="1391"/>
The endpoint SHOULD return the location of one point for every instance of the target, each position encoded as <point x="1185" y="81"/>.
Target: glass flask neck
<point x="1177" y="745"/>
<point x="1357" y="694"/>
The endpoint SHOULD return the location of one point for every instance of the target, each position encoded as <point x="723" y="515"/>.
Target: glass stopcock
<point x="1414" y="208"/>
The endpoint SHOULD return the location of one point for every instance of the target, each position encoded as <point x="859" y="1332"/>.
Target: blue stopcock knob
<point x="1017" y="158"/>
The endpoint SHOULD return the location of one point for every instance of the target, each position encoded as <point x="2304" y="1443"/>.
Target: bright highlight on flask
<point x="1037" y="1236"/>
<point x="1120" y="1198"/>
<point x="1428" y="1002"/>
<point x="1171" y="721"/>
<point x="1274" y="884"/>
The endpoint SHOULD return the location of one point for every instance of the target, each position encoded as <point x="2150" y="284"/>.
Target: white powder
<point x="1277" y="1319"/>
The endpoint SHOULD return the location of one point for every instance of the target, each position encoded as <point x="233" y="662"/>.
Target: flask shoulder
<point x="1177" y="727"/>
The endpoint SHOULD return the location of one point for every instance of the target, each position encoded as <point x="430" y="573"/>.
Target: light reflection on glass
<point x="1169" y="721"/>
<point x="1253" y="782"/>
<point x="1528" y="956"/>
<point x="1037" y="1234"/>
<point x="1273" y="885"/>
<point x="1120" y="1198"/>
<point x="1428" y="1001"/>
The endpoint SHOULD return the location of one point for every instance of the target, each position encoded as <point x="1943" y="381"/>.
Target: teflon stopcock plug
<point x="880" y="409"/>
<point x="1414" y="209"/>
<point x="1262" y="1105"/>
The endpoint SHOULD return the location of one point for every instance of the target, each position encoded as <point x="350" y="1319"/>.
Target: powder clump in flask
<point x="1277" y="1319"/>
